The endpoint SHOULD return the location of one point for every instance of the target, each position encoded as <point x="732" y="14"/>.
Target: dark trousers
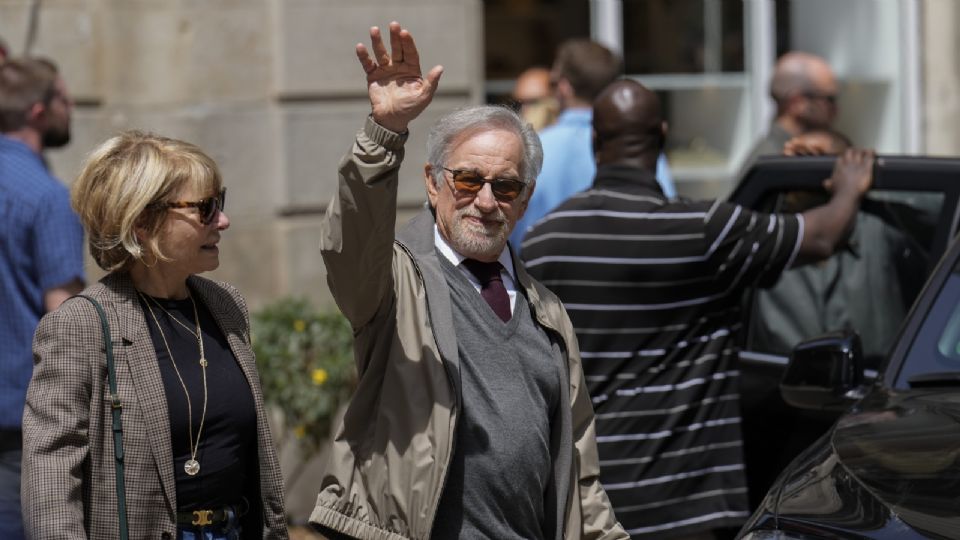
<point x="11" y="523"/>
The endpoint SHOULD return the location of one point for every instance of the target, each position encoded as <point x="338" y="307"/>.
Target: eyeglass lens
<point x="471" y="182"/>
<point x="209" y="206"/>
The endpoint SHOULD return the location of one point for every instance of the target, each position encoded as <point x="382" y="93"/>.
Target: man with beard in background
<point x="41" y="246"/>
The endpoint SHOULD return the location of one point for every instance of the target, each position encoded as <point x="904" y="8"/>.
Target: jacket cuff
<point x="383" y="136"/>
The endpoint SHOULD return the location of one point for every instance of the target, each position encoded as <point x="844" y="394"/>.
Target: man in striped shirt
<point x="653" y="288"/>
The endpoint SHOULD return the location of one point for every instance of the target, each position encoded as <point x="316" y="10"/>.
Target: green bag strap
<point x="117" y="425"/>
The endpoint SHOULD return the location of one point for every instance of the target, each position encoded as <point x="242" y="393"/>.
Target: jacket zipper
<point x="452" y="445"/>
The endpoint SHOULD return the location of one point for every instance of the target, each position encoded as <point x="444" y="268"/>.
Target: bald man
<point x="804" y="89"/>
<point x="653" y="288"/>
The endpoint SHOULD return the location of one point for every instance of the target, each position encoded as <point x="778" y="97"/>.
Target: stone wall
<point x="271" y="89"/>
<point x="941" y="47"/>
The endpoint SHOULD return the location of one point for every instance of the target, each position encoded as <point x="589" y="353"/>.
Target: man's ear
<point x="664" y="129"/>
<point x="565" y="93"/>
<point x="432" y="192"/>
<point x="35" y="113"/>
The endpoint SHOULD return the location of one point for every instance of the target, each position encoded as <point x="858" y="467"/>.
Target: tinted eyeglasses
<point x="207" y="208"/>
<point x="829" y="98"/>
<point x="470" y="183"/>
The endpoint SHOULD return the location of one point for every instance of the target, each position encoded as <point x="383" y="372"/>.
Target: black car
<point x="890" y="466"/>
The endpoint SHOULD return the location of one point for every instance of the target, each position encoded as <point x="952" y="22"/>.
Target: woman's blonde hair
<point x="120" y="183"/>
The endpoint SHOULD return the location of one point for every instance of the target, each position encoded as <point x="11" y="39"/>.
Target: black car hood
<point x="904" y="448"/>
<point x="890" y="468"/>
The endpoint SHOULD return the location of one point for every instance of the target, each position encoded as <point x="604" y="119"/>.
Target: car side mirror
<point x="824" y="372"/>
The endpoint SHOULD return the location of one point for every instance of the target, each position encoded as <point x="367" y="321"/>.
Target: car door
<point x="902" y="229"/>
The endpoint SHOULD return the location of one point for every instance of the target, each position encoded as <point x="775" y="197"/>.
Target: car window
<point x="867" y="286"/>
<point x="936" y="347"/>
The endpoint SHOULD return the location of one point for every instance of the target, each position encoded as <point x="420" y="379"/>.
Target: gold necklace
<point x="176" y="320"/>
<point x="192" y="466"/>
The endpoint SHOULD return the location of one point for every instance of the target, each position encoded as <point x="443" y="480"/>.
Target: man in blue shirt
<point x="41" y="246"/>
<point x="580" y="71"/>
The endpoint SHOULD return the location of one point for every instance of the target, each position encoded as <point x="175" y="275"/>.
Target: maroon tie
<point x="491" y="286"/>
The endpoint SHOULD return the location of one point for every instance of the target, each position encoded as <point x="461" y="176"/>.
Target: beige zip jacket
<point x="390" y="457"/>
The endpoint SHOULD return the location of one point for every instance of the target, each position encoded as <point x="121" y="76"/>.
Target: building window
<point x="519" y="34"/>
<point x="689" y="36"/>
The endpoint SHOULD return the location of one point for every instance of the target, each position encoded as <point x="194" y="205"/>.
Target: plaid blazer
<point x="68" y="485"/>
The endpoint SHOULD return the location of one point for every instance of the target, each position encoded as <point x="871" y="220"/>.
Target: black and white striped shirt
<point x="653" y="289"/>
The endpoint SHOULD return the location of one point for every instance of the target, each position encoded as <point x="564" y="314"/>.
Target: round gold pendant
<point x="192" y="467"/>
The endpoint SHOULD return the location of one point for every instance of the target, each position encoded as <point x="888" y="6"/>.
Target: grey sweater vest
<point x="500" y="481"/>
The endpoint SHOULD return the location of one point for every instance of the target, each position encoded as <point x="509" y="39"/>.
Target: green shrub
<point x="306" y="366"/>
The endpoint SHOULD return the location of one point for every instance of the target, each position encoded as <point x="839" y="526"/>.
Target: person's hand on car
<point x="853" y="170"/>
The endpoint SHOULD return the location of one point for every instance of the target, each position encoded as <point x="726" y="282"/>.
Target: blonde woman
<point x="199" y="461"/>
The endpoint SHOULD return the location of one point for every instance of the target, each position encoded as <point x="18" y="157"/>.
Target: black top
<point x="228" y="444"/>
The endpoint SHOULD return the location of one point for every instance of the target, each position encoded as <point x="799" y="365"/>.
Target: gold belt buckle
<point x="202" y="517"/>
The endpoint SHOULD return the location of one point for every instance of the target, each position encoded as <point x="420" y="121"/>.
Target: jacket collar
<point x="120" y="291"/>
<point x="416" y="238"/>
<point x="576" y="116"/>
<point x="417" y="234"/>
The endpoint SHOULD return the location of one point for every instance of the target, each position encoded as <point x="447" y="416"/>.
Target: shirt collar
<point x="619" y="175"/>
<point x="456" y="258"/>
<point x="576" y="116"/>
<point x="12" y="144"/>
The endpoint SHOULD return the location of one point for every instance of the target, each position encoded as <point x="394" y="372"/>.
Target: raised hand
<point x="398" y="92"/>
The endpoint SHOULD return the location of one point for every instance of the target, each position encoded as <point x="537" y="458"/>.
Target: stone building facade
<point x="271" y="89"/>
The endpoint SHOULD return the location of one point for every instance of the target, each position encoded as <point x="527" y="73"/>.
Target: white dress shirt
<point x="507" y="272"/>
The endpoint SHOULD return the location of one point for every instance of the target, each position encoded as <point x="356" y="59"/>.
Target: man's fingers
<point x="846" y="157"/>
<point x="379" y="49"/>
<point x="854" y="167"/>
<point x="366" y="62"/>
<point x="854" y="156"/>
<point x="396" y="48"/>
<point x="433" y="78"/>
<point x="411" y="56"/>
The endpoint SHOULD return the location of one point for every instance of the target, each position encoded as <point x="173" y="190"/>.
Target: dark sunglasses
<point x="470" y="183"/>
<point x="829" y="98"/>
<point x="207" y="208"/>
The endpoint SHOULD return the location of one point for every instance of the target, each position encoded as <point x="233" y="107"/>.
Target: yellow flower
<point x="299" y="325"/>
<point x="299" y="431"/>
<point x="319" y="376"/>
